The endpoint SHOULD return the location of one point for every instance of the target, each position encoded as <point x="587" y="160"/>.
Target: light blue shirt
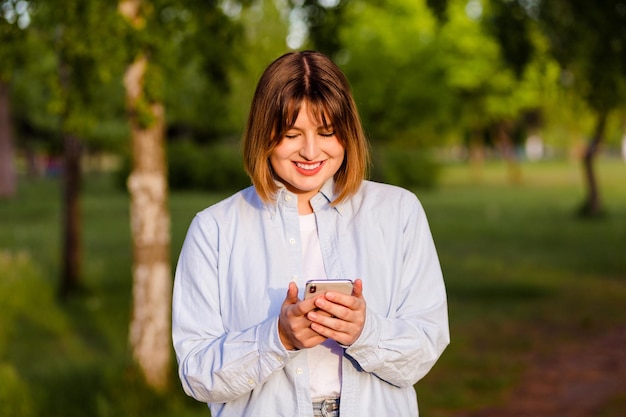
<point x="232" y="277"/>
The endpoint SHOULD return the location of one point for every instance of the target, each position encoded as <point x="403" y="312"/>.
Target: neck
<point x="304" y="207"/>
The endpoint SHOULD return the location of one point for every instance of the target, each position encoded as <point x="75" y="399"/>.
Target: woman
<point x="247" y="342"/>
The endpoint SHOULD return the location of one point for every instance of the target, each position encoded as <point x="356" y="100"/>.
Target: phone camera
<point x="312" y="288"/>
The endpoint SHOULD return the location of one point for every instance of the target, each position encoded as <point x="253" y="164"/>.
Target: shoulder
<point x="231" y="208"/>
<point x="379" y="194"/>
<point x="387" y="203"/>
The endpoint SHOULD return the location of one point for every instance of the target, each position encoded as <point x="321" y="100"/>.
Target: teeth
<point x="308" y="166"/>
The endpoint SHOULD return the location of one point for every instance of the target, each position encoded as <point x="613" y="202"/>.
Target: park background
<point x="506" y="117"/>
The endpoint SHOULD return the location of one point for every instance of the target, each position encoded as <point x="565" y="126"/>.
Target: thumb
<point x="357" y="290"/>
<point x="292" y="293"/>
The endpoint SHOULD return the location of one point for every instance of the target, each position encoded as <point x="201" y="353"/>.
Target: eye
<point x="291" y="135"/>
<point x="327" y="134"/>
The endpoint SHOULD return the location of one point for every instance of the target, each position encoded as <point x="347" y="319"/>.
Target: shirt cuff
<point x="272" y="345"/>
<point x="364" y="349"/>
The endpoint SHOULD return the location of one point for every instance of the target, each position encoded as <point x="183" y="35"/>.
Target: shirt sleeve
<point x="401" y="347"/>
<point x="215" y="365"/>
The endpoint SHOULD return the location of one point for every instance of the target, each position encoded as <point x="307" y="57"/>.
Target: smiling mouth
<point x="308" y="167"/>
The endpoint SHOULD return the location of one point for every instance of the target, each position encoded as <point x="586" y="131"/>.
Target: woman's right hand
<point x="294" y="327"/>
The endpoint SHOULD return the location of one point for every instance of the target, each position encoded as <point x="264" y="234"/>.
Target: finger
<point x="357" y="289"/>
<point x="348" y="300"/>
<point x="326" y="308"/>
<point x="342" y="331"/>
<point x="338" y="304"/>
<point x="292" y="293"/>
<point x="342" y="335"/>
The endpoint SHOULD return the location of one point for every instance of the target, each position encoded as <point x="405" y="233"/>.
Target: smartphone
<point x="316" y="287"/>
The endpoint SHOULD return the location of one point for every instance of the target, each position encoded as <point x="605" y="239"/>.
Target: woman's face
<point x="308" y="155"/>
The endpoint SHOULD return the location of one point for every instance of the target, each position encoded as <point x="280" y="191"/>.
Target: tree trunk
<point x="507" y="149"/>
<point x="70" y="211"/>
<point x="150" y="333"/>
<point x="70" y="278"/>
<point x="8" y="177"/>
<point x="477" y="153"/>
<point x="592" y="205"/>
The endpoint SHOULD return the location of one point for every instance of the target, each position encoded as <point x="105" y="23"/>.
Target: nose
<point x="310" y="147"/>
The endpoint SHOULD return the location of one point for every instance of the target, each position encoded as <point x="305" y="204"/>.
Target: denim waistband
<point x="326" y="408"/>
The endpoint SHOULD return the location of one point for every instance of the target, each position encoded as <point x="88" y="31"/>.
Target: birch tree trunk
<point x="150" y="223"/>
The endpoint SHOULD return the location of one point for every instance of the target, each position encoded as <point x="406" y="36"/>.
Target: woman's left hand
<point x="346" y="315"/>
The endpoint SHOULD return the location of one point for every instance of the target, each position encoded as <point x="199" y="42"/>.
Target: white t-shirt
<point x="324" y="359"/>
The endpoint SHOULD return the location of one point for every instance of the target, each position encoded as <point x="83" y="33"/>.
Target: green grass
<point x="523" y="275"/>
<point x="523" y="272"/>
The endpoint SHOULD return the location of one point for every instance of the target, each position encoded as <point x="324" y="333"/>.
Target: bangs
<point x="318" y="108"/>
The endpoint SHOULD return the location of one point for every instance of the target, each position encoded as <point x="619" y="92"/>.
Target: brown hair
<point x="287" y="82"/>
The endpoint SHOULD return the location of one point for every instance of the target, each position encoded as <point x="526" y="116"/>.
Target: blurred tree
<point x="509" y="26"/>
<point x="165" y="36"/>
<point x="433" y="78"/>
<point x="192" y="42"/>
<point x="265" y="30"/>
<point x="323" y="19"/>
<point x="588" y="40"/>
<point x="494" y="95"/>
<point x="149" y="214"/>
<point x="8" y="177"/>
<point x="81" y="34"/>
<point x="424" y="78"/>
<point x="13" y="20"/>
<point x="439" y="9"/>
<point x="391" y="56"/>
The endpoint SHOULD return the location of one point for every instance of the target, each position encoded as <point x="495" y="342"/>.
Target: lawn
<point x="523" y="272"/>
<point x="523" y="275"/>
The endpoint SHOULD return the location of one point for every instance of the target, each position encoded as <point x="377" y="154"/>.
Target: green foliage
<point x="408" y="168"/>
<point x="510" y="28"/>
<point x="192" y="45"/>
<point x="67" y="67"/>
<point x="589" y="40"/>
<point x="18" y="279"/>
<point x="395" y="68"/>
<point x="419" y="81"/>
<point x="15" y="397"/>
<point x="216" y="167"/>
<point x="89" y="61"/>
<point x="265" y="32"/>
<point x="66" y="74"/>
<point x="324" y="23"/>
<point x="12" y="37"/>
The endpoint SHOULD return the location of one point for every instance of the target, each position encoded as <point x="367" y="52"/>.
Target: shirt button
<point x="287" y="197"/>
<point x="299" y="371"/>
<point x="251" y="381"/>
<point x="292" y="241"/>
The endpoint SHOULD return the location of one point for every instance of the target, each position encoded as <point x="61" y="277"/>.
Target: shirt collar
<point x="324" y="197"/>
